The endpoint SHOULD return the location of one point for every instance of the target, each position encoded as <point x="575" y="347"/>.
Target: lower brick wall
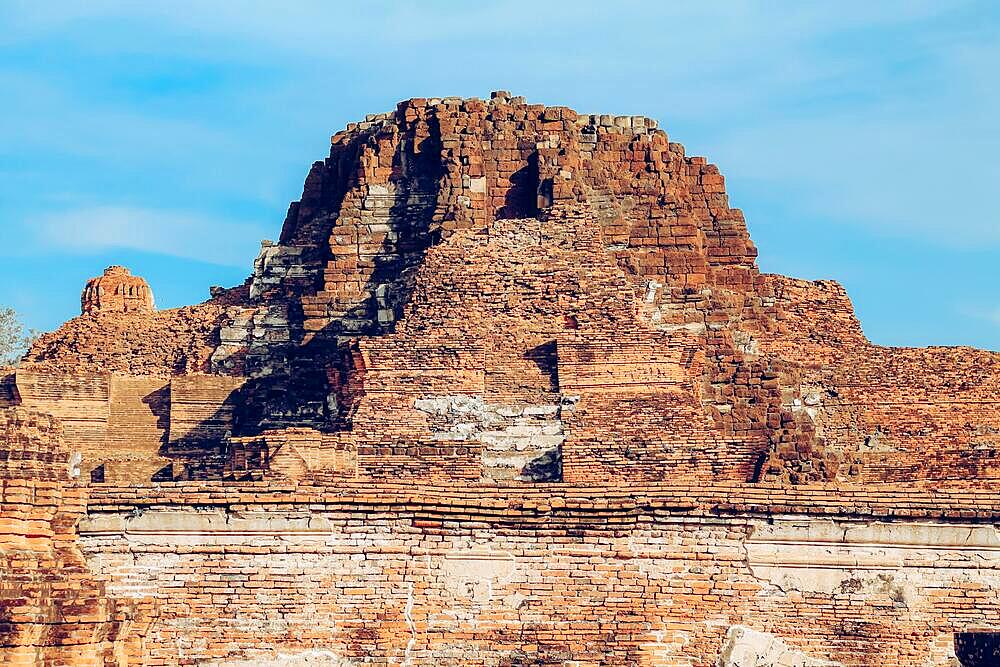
<point x="462" y="579"/>
<point x="52" y="612"/>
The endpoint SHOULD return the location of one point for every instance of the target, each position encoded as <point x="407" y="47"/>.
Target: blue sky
<point x="861" y="139"/>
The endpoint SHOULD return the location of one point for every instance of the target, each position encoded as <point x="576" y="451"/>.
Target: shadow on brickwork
<point x="546" y="358"/>
<point x="326" y="364"/>
<point x="8" y="630"/>
<point x="521" y="199"/>
<point x="201" y="452"/>
<point x="978" y="649"/>
<point x="158" y="403"/>
<point x="317" y="379"/>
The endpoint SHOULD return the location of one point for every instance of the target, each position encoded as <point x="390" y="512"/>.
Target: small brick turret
<point x="117" y="291"/>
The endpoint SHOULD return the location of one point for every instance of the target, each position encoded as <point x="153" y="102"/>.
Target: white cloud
<point x="912" y="153"/>
<point x="178" y="234"/>
<point x="983" y="313"/>
<point x="883" y="171"/>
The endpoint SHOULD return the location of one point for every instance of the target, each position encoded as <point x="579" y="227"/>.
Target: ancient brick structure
<point x="117" y="291"/>
<point x="508" y="390"/>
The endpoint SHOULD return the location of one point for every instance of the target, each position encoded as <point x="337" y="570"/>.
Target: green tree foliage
<point x="14" y="341"/>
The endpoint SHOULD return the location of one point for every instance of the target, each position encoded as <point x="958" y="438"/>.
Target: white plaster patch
<point x="189" y="528"/>
<point x="477" y="574"/>
<point x="875" y="558"/>
<point x="748" y="648"/>
<point x="520" y="442"/>
<point x="310" y="658"/>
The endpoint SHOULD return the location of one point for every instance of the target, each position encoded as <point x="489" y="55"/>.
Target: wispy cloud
<point x="881" y="170"/>
<point x="187" y="235"/>
<point x="982" y="313"/>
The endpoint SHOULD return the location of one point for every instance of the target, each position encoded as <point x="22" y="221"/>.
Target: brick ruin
<point x="509" y="389"/>
<point x="117" y="291"/>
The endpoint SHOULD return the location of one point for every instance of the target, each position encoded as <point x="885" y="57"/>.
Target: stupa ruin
<point x="116" y="291"/>
<point x="509" y="389"/>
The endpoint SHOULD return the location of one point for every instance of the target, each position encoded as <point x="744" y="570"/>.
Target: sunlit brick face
<point x="117" y="291"/>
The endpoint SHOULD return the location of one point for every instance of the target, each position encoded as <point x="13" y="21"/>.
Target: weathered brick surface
<point x="529" y="257"/>
<point x="510" y="390"/>
<point x="117" y="291"/>
<point x="657" y="575"/>
<point x="131" y="338"/>
<point x="139" y="409"/>
<point x="166" y="342"/>
<point x="52" y="611"/>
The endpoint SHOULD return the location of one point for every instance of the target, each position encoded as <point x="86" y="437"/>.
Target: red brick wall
<point x="652" y="575"/>
<point x="52" y="611"/>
